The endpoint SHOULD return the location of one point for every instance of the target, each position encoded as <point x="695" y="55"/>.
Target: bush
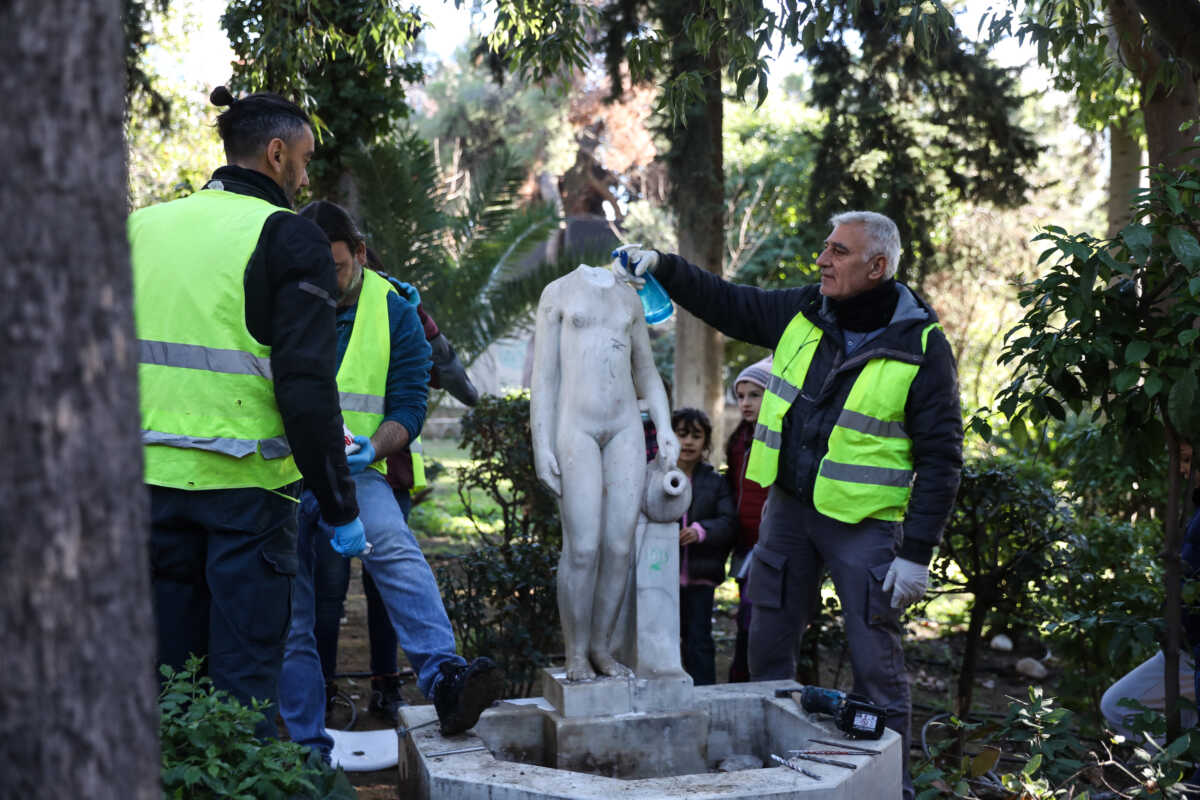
<point x="1105" y="607"/>
<point x="1001" y="537"/>
<point x="502" y="597"/>
<point x="209" y="749"/>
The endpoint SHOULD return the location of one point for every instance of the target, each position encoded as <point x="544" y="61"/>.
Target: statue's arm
<point x="543" y="389"/>
<point x="650" y="388"/>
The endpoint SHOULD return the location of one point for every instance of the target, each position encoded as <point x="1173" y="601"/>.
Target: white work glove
<point x="907" y="581"/>
<point x="636" y="261"/>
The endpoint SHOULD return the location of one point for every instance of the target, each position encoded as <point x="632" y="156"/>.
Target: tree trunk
<point x="697" y="171"/>
<point x="1173" y="577"/>
<point x="1166" y="110"/>
<point x="78" y="716"/>
<point x="1124" y="174"/>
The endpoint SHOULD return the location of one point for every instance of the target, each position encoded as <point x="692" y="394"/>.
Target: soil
<point x="932" y="657"/>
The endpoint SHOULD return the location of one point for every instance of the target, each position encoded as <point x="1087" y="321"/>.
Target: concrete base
<point x="603" y="696"/>
<point x="509" y="756"/>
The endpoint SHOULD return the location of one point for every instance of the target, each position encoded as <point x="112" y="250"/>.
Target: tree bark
<point x="1124" y="174"/>
<point x="1177" y="24"/>
<point x="78" y="716"/>
<point x="1172" y="102"/>
<point x="697" y="172"/>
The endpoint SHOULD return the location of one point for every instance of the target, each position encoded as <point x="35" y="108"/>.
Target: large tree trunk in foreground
<point x="77" y="694"/>
<point x="697" y="171"/>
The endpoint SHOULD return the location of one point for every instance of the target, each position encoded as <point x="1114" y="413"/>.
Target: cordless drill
<point x="854" y="716"/>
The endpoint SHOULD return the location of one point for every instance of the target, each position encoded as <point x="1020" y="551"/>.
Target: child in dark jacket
<point x="750" y="498"/>
<point x="705" y="539"/>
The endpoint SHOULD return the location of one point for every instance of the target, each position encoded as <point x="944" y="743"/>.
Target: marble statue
<point x="591" y="364"/>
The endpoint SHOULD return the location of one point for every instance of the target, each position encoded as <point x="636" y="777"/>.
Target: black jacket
<point x="290" y="283"/>
<point x="714" y="508"/>
<point x="933" y="415"/>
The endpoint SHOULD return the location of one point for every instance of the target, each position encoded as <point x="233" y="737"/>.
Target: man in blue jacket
<point x="382" y="380"/>
<point x="859" y="438"/>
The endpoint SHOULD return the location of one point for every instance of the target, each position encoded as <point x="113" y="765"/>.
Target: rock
<point x="740" y="762"/>
<point x="1002" y="643"/>
<point x="1032" y="668"/>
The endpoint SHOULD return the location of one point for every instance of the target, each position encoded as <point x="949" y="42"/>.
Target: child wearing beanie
<point x="748" y="389"/>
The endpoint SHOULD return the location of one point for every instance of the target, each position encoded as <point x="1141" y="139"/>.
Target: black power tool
<point x="854" y="716"/>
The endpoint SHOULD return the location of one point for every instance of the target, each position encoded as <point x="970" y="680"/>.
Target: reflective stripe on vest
<point x="418" y="464"/>
<point x="209" y="419"/>
<point x="793" y="355"/>
<point x="362" y="377"/>
<point x="867" y="470"/>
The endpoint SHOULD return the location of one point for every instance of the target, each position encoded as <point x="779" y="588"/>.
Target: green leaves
<point x="1139" y="241"/>
<point x="1184" y="246"/>
<point x="1183" y="404"/>
<point x="209" y="748"/>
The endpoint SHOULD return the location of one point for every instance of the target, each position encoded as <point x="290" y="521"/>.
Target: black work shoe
<point x="386" y="698"/>
<point x="464" y="691"/>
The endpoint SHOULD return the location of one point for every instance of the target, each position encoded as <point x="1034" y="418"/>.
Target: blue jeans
<point x="331" y="583"/>
<point x="409" y="591"/>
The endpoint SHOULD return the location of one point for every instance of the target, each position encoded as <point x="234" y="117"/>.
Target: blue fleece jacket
<point x="408" y="372"/>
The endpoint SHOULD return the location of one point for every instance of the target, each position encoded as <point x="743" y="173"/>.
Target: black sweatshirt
<point x="933" y="416"/>
<point x="290" y="283"/>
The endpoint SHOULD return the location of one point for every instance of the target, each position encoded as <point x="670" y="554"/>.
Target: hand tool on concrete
<point x="819" y="760"/>
<point x="854" y="716"/>
<point x="809" y="752"/>
<point x="847" y="746"/>
<point x="787" y="763"/>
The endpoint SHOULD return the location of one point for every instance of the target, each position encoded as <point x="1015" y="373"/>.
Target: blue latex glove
<point x="350" y="539"/>
<point x="635" y="259"/>
<point x="407" y="291"/>
<point x="362" y="458"/>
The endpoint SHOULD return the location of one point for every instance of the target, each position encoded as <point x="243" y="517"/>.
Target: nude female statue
<point x="591" y="363"/>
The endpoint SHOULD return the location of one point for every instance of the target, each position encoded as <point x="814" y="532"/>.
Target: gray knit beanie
<point x="757" y="373"/>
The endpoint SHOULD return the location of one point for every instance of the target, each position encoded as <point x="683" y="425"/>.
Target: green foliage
<point x="550" y="37"/>
<point x="1001" y="540"/>
<point x="1053" y="762"/>
<point x="1103" y="608"/>
<point x="1111" y="324"/>
<point x="937" y="131"/>
<point x="141" y="86"/>
<point x="341" y="61"/>
<point x="209" y="749"/>
<point x="496" y="434"/>
<point x="501" y="595"/>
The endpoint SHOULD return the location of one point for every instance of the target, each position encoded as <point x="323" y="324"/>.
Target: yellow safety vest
<point x="867" y="470"/>
<point x="418" y="464"/>
<point x="362" y="377"/>
<point x="209" y="419"/>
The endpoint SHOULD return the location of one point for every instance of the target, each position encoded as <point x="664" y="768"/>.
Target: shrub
<point x="1001" y="537"/>
<point x="501" y="597"/>
<point x="209" y="749"/>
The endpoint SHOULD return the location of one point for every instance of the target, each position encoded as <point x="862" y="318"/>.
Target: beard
<point x="351" y="287"/>
<point x="291" y="182"/>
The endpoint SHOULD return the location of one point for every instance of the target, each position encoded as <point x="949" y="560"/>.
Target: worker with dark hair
<point x="405" y="474"/>
<point x="233" y="298"/>
<point x="383" y="368"/>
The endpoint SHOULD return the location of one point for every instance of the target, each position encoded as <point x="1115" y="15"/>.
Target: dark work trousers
<point x="695" y="633"/>
<point x="331" y="582"/>
<point x="222" y="564"/>
<point x="795" y="544"/>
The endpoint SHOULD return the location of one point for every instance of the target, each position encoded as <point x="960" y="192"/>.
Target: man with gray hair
<point x="859" y="438"/>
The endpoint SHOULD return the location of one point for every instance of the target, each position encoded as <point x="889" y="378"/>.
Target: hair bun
<point x="221" y="97"/>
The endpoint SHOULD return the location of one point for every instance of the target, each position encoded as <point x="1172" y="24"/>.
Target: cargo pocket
<point x="768" y="571"/>
<point x="879" y="602"/>
<point x="271" y="613"/>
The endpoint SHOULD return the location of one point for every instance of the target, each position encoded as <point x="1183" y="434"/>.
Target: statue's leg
<point x="624" y="458"/>
<point x="579" y="464"/>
